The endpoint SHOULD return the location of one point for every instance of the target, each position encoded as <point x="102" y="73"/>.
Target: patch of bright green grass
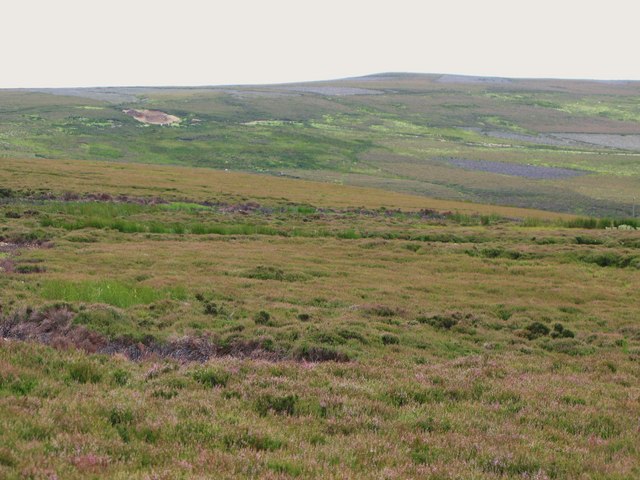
<point x="107" y="291"/>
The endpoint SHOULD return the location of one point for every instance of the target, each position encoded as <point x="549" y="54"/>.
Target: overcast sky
<point x="54" y="43"/>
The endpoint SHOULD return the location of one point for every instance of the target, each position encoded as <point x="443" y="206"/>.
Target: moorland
<point x="396" y="276"/>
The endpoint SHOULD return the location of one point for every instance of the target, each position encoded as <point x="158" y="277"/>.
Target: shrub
<point x="568" y="346"/>
<point x="120" y="416"/>
<point x="319" y="354"/>
<point x="389" y="339"/>
<point x="494" y="252"/>
<point x="120" y="377"/>
<point x="445" y="321"/>
<point x="560" y="332"/>
<point x="84" y="372"/>
<point x="165" y="394"/>
<point x="518" y="466"/>
<point x="399" y="397"/>
<point x="535" y="330"/>
<point x="282" y="405"/>
<point x="283" y="467"/>
<point x="609" y="259"/>
<point x="105" y="320"/>
<point x="262" y="318"/>
<point x="6" y="193"/>
<point x="212" y="378"/>
<point x="262" y="272"/>
<point x="439" y="321"/>
<point x="380" y="311"/>
<point x="249" y="440"/>
<point x="503" y="313"/>
<point x="582" y="240"/>
<point x="423" y="454"/>
<point x="28" y="268"/>
<point x="121" y="419"/>
<point x="304" y="317"/>
<point x="18" y="386"/>
<point x="352" y="335"/>
<point x="328" y="338"/>
<point x="430" y="424"/>
<point x="7" y="459"/>
<point x="210" y="308"/>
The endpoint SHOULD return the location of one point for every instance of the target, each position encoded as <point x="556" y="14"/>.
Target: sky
<point x="71" y="43"/>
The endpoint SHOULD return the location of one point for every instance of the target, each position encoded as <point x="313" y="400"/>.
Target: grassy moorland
<point x="447" y="137"/>
<point x="171" y="322"/>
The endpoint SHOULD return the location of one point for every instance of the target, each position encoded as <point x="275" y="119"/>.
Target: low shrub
<point x="246" y="439"/>
<point x="609" y="259"/>
<point x="262" y="272"/>
<point x="535" y="330"/>
<point x="281" y="405"/>
<point x="560" y="332"/>
<point x="389" y="339"/>
<point x="262" y="318"/>
<point x="120" y="377"/>
<point x="212" y="377"/>
<point x="380" y="311"/>
<point x="284" y="468"/>
<point x="582" y="240"/>
<point x="568" y="346"/>
<point x="19" y="386"/>
<point x="319" y="354"/>
<point x="494" y="252"/>
<point x="446" y="321"/>
<point x="84" y="372"/>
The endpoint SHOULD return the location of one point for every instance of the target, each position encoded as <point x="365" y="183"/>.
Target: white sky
<point x="54" y="43"/>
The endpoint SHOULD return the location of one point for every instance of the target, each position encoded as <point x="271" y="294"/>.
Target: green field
<point x="394" y="131"/>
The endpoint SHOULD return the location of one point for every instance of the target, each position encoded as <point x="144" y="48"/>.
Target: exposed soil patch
<point x="54" y="326"/>
<point x="152" y="117"/>
<point x="517" y="170"/>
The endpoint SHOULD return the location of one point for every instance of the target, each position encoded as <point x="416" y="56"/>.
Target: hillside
<point x="557" y="145"/>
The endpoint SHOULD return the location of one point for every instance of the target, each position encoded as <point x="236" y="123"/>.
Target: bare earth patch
<point x="152" y="117"/>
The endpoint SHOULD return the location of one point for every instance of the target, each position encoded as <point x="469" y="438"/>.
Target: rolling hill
<point x="558" y="145"/>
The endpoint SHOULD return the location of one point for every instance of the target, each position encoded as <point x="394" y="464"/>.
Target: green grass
<point x="107" y="291"/>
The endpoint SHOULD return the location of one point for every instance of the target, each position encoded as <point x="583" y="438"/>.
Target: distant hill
<point x="447" y="136"/>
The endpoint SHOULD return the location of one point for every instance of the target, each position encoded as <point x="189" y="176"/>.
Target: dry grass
<point x="205" y="184"/>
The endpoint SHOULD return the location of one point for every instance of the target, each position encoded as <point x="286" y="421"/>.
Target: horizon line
<point x="356" y="77"/>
